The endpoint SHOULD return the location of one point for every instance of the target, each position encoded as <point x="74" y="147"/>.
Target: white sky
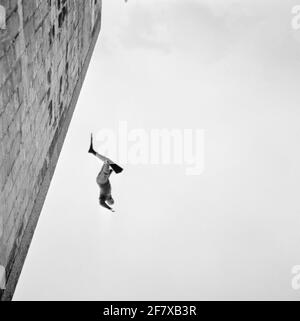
<point x="229" y="67"/>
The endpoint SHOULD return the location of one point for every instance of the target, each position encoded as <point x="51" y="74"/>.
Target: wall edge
<point x="21" y="254"/>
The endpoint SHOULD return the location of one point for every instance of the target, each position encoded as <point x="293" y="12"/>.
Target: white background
<point x="229" y="67"/>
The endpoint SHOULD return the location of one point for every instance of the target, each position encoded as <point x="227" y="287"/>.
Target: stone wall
<point x="44" y="54"/>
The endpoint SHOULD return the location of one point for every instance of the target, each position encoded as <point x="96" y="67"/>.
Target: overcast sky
<point x="231" y="68"/>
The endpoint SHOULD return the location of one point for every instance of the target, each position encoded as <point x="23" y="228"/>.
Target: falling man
<point x="105" y="198"/>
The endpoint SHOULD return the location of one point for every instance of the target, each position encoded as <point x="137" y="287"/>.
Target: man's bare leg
<point x="116" y="168"/>
<point x="92" y="151"/>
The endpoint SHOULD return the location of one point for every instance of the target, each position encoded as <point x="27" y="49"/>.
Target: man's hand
<point x="103" y="203"/>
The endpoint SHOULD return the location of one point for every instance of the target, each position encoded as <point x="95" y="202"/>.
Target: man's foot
<point x="116" y="168"/>
<point x="91" y="150"/>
